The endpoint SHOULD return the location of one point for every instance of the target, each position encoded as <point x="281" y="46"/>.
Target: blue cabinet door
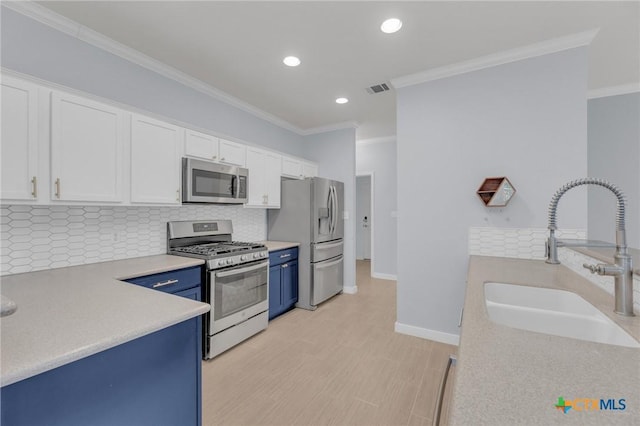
<point x="289" y="285"/>
<point x="275" y="291"/>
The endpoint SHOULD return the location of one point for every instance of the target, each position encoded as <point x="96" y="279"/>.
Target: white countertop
<point x="279" y="245"/>
<point x="506" y="376"/>
<point x="70" y="313"/>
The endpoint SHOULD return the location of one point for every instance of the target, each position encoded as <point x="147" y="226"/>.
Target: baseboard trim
<point x="425" y="333"/>
<point x="382" y="276"/>
<point x="350" y="290"/>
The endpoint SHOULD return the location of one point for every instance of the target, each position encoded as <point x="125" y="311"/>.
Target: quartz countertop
<point x="279" y="245"/>
<point x="506" y="376"/>
<point x="70" y="313"/>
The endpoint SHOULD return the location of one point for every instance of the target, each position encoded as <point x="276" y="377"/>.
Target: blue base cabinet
<point x="154" y="380"/>
<point x="283" y="281"/>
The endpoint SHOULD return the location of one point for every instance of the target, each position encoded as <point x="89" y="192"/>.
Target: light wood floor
<point x="342" y="364"/>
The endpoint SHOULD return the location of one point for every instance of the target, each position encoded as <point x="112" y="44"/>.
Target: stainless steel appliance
<point x="208" y="182"/>
<point x="311" y="213"/>
<point x="235" y="283"/>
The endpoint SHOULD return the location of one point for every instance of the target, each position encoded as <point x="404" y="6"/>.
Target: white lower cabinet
<point x="87" y="140"/>
<point x="264" y="178"/>
<point x="19" y="143"/>
<point x="155" y="161"/>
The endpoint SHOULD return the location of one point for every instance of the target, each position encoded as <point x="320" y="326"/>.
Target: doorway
<point x="364" y="217"/>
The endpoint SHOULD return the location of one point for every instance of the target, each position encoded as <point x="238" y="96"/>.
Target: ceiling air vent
<point x="378" y="88"/>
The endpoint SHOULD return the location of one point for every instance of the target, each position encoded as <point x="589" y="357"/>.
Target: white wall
<point x="379" y="156"/>
<point x="336" y="152"/>
<point x="525" y="120"/>
<point x="614" y="154"/>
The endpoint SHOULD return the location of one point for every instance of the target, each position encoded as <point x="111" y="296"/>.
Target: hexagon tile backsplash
<point x="44" y="237"/>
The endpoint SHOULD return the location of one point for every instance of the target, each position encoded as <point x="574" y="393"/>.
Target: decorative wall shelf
<point x="496" y="191"/>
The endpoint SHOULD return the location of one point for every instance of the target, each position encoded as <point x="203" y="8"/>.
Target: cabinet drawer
<point x="172" y="281"/>
<point x="282" y="256"/>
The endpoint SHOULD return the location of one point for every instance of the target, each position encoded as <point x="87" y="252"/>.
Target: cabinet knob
<point x="286" y="265"/>
<point x="221" y="158"/>
<point x="213" y="157"/>
<point x="34" y="187"/>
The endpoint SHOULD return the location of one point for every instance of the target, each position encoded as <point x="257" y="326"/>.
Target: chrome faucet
<point x="622" y="270"/>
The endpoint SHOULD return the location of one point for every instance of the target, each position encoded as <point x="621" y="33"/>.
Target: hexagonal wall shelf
<point x="496" y="191"/>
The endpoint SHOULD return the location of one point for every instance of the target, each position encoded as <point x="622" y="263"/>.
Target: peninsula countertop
<point x="506" y="376"/>
<point x="70" y="313"/>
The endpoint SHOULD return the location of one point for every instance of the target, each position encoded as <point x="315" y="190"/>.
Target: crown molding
<point x="330" y="128"/>
<point x="74" y="29"/>
<point x="604" y="92"/>
<point x="384" y="139"/>
<point x="500" y="58"/>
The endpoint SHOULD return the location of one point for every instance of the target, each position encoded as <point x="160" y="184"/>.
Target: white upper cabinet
<point x="86" y="150"/>
<point x="264" y="178"/>
<point x="232" y="153"/>
<point x="155" y="161"/>
<point x="19" y="147"/>
<point x="291" y="167"/>
<point x="309" y="170"/>
<point x="201" y="145"/>
<point x="298" y="169"/>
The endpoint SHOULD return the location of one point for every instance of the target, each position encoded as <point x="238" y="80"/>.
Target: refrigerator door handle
<point x="334" y="206"/>
<point x="330" y="206"/>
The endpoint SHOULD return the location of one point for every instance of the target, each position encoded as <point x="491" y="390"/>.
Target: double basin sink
<point x="551" y="311"/>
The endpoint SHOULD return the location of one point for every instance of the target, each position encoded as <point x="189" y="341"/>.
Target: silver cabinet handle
<point x="177" y="195"/>
<point x="34" y="187"/>
<point x="241" y="270"/>
<point x="57" y="188"/>
<point x="286" y="265"/>
<point x="164" y="283"/>
<point x="282" y="256"/>
<point x="443" y="383"/>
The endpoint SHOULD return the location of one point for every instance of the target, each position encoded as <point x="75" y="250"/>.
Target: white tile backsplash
<point x="521" y="243"/>
<point x="33" y="238"/>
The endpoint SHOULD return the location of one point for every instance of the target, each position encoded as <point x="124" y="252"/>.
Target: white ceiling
<point x="237" y="47"/>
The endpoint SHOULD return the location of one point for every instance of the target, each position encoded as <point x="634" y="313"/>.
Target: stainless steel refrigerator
<point x="311" y="213"/>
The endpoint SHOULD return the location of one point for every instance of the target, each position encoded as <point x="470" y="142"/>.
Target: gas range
<point x="211" y="241"/>
<point x="236" y="282"/>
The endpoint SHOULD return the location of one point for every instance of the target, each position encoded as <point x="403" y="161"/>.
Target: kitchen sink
<point x="551" y="311"/>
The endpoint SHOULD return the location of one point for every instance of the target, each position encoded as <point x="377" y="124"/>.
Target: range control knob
<point x="229" y="261"/>
<point x="243" y="257"/>
<point x="221" y="262"/>
<point x="263" y="254"/>
<point x="256" y="255"/>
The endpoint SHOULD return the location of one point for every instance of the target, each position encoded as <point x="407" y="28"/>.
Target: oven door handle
<point x="241" y="270"/>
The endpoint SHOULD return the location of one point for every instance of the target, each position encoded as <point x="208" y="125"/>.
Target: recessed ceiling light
<point x="291" y="61"/>
<point x="391" y="25"/>
<point x="342" y="100"/>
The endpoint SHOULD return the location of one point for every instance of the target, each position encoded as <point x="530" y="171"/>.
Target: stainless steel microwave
<point x="208" y="182"/>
